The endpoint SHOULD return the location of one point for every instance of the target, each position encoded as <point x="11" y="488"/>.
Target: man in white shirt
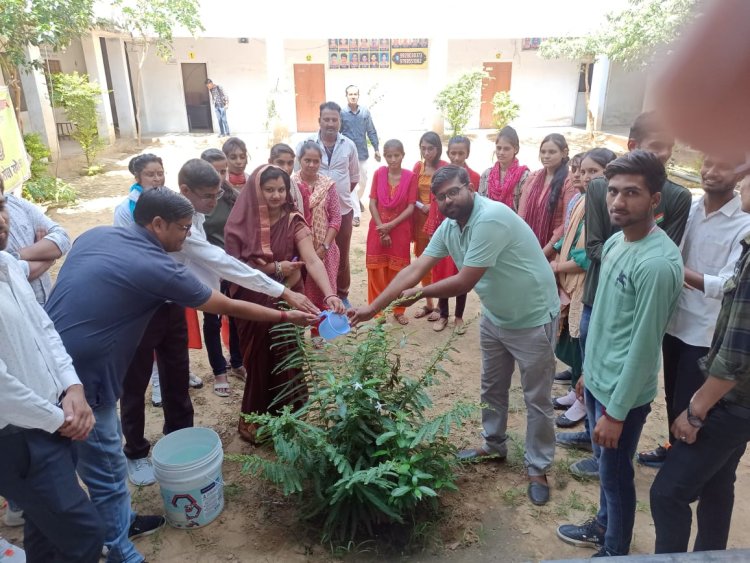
<point x="42" y="408"/>
<point x="341" y="164"/>
<point x="200" y="183"/>
<point x="36" y="241"/>
<point x="710" y="249"/>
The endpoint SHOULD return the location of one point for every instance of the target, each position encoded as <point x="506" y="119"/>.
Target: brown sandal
<point x="440" y="324"/>
<point x="247" y="431"/>
<point x="401" y="319"/>
<point x="423" y="311"/>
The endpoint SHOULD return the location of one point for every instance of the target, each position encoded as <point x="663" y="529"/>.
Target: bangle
<point x="283" y="317"/>
<point x="327" y="297"/>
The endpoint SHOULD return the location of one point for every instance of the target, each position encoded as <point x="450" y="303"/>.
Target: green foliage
<point x="362" y="450"/>
<point x="41" y="187"/>
<point x="504" y="109"/>
<point x="79" y="97"/>
<point x="457" y="100"/>
<point x="154" y="21"/>
<point x="50" y="22"/>
<point x="39" y="154"/>
<point x="49" y="190"/>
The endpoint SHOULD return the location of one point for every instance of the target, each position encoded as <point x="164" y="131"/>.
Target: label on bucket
<point x="194" y="508"/>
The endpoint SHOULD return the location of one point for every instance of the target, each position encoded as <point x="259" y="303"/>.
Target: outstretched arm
<point x="219" y="304"/>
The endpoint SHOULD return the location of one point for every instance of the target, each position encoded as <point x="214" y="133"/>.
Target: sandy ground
<point x="489" y="519"/>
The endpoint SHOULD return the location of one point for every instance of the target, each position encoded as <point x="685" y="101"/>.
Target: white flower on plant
<point x="357" y="386"/>
<point x="379" y="407"/>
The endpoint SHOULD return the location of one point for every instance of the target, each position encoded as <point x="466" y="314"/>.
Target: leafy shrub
<point x="79" y="97"/>
<point x="362" y="451"/>
<point x="457" y="100"/>
<point x="504" y="109"/>
<point x="47" y="189"/>
<point x="39" y="153"/>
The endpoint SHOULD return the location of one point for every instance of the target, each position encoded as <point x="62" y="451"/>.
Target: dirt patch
<point x="489" y="519"/>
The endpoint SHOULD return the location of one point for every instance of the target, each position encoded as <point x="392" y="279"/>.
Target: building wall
<point x="71" y="58"/>
<point x="253" y="73"/>
<point x="625" y="96"/>
<point x="238" y="68"/>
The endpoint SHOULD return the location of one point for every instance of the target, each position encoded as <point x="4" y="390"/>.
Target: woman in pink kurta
<point x="546" y="193"/>
<point x="323" y="216"/>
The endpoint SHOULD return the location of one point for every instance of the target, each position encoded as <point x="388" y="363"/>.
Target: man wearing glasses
<point x="499" y="257"/>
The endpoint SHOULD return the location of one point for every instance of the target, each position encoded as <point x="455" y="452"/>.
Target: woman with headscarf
<point x="265" y="231"/>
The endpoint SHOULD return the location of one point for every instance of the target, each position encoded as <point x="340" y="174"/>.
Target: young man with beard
<point x="499" y="257"/>
<point x="710" y="249"/>
<point x="640" y="281"/>
<point x="713" y="431"/>
<point x="650" y="134"/>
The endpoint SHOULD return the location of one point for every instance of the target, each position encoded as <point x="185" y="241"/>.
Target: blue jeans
<point x="617" y="478"/>
<point x="102" y="467"/>
<point x="584" y="330"/>
<point x="221" y="117"/>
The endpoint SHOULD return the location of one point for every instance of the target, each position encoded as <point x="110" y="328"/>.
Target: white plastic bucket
<point x="187" y="466"/>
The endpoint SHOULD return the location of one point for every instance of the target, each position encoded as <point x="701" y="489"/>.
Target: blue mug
<point x="333" y="325"/>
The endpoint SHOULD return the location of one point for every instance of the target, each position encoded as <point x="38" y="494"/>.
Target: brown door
<point x="197" y="98"/>
<point x="310" y="92"/>
<point x="497" y="81"/>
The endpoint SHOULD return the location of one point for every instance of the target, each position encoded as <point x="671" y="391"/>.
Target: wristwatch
<point x="693" y="420"/>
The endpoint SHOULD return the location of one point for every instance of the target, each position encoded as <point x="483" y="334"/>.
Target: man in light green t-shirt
<point x="639" y="284"/>
<point x="499" y="257"/>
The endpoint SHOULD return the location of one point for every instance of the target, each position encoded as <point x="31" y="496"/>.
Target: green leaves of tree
<point x="457" y="100"/>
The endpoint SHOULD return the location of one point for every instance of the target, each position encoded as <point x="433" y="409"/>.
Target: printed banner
<point x="14" y="162"/>
<point x="377" y="53"/>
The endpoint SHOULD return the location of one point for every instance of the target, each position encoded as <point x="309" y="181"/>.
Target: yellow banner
<point x="14" y="162"/>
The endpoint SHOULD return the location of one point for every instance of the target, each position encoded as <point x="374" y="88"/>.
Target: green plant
<point x="79" y="97"/>
<point x="49" y="190"/>
<point x="457" y="100"/>
<point x="39" y="154"/>
<point x="361" y="451"/>
<point x="504" y="109"/>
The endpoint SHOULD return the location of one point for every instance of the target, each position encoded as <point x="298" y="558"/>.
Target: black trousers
<point x="703" y="471"/>
<point x="444" y="308"/>
<point x="38" y="472"/>
<point x="682" y="376"/>
<point x="166" y="335"/>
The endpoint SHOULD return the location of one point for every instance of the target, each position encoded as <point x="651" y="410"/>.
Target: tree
<point x="51" y="23"/>
<point x="151" y="23"/>
<point x="456" y="100"/>
<point x="79" y="97"/>
<point x="631" y="37"/>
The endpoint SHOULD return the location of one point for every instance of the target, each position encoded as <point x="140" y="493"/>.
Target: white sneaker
<point x="141" y="472"/>
<point x="13" y="518"/>
<point x="195" y="381"/>
<point x="155" y="388"/>
<point x="11" y="553"/>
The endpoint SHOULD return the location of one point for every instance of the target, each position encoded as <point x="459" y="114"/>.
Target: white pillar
<point x="92" y="54"/>
<point x="437" y="79"/>
<point x="599" y="86"/>
<point x="118" y="69"/>
<point x="41" y="118"/>
<point x="278" y="77"/>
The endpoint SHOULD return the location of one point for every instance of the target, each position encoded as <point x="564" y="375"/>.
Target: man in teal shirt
<point x="639" y="284"/>
<point x="497" y="255"/>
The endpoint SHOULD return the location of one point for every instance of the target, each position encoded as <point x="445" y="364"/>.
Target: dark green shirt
<point x="671" y="215"/>
<point x="729" y="356"/>
<point x="214" y="224"/>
